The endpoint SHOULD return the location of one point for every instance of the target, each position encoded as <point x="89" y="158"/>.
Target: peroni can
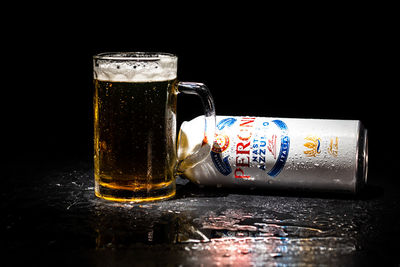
<point x="280" y="153"/>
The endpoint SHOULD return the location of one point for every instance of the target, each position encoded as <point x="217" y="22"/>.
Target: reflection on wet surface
<point x="225" y="235"/>
<point x="197" y="227"/>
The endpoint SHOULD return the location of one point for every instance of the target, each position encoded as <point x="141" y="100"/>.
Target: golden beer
<point x="133" y="139"/>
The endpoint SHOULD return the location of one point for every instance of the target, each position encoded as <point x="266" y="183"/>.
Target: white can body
<point x="280" y="153"/>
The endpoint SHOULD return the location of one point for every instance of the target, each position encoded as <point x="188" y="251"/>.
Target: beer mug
<point x="135" y="125"/>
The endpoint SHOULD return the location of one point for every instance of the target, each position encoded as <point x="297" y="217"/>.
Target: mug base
<point x="135" y="196"/>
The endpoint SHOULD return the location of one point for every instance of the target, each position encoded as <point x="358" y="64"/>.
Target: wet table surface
<point x="51" y="217"/>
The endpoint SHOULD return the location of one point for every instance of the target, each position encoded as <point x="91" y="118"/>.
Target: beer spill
<point x="217" y="226"/>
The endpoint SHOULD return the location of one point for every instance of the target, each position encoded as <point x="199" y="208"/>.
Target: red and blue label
<point x="253" y="144"/>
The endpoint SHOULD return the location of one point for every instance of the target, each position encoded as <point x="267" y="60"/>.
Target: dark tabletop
<point x="50" y="216"/>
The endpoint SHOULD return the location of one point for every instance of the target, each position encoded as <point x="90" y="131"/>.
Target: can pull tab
<point x="202" y="151"/>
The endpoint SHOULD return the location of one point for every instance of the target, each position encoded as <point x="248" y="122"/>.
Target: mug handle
<point x="204" y="149"/>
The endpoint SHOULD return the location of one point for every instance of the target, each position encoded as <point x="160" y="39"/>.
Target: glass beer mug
<point x="135" y="125"/>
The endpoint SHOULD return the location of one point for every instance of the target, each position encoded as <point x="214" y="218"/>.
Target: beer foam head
<point x="135" y="67"/>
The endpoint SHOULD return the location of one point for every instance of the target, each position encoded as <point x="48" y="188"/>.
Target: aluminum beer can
<point x="279" y="153"/>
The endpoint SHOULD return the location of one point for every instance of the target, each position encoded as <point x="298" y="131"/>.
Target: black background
<point x="336" y="62"/>
<point x="256" y="61"/>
